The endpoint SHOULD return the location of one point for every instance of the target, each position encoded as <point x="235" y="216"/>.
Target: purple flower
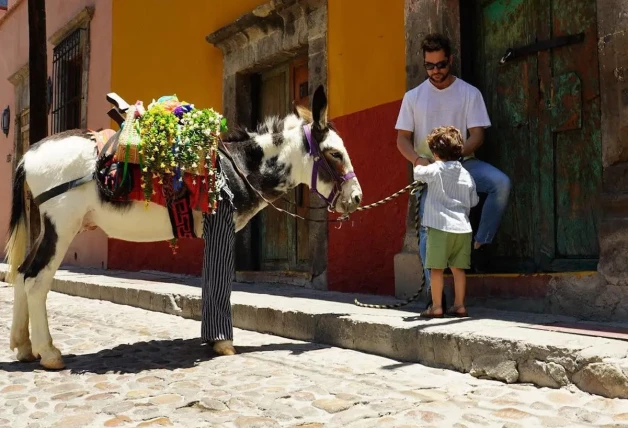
<point x="181" y="110"/>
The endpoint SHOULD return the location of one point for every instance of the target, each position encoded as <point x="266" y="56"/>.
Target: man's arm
<point x="475" y="140"/>
<point x="406" y="148"/>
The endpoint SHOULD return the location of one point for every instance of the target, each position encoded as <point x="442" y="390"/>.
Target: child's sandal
<point x="429" y="313"/>
<point x="453" y="312"/>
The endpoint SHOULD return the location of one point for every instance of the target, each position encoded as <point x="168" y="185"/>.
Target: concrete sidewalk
<point x="507" y="346"/>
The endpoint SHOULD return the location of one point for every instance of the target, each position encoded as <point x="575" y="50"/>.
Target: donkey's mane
<point x="270" y="125"/>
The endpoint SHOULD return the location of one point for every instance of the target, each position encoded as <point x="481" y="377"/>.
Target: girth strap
<point x="57" y="190"/>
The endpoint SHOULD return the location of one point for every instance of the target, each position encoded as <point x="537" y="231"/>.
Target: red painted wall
<point x="361" y="252"/>
<point x="158" y="256"/>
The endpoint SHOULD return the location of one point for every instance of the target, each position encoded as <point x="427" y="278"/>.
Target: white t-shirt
<point x="427" y="107"/>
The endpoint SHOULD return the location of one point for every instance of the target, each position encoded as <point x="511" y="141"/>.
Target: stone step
<point x="506" y="346"/>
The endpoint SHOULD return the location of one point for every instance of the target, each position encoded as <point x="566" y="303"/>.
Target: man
<point x="446" y="100"/>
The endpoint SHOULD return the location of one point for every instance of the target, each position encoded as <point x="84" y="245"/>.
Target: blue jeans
<point x="489" y="180"/>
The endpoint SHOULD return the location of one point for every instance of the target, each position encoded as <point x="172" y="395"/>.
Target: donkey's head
<point x="332" y="173"/>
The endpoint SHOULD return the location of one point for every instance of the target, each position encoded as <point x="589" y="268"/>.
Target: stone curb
<point x="501" y="351"/>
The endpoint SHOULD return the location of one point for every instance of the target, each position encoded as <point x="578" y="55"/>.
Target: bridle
<point x="321" y="162"/>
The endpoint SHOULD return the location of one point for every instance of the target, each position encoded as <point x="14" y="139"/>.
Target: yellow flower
<point x="163" y="165"/>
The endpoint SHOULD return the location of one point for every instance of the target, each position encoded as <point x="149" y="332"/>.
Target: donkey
<point x="302" y="148"/>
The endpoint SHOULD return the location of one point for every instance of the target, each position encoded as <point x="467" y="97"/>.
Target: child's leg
<point x="437" y="291"/>
<point x="436" y="261"/>
<point x="460" y="288"/>
<point x="459" y="261"/>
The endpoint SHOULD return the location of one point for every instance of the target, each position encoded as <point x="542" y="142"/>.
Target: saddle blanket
<point x="192" y="196"/>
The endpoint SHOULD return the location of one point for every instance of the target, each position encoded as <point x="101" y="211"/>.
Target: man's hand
<point x="474" y="141"/>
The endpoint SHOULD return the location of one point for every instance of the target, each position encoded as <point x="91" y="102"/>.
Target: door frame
<point x="253" y="43"/>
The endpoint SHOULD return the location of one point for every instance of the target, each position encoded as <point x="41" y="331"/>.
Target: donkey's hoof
<point x="224" y="347"/>
<point x="52" y="360"/>
<point x="26" y="356"/>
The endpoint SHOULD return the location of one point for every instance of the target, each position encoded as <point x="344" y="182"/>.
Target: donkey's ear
<point x="319" y="107"/>
<point x="304" y="113"/>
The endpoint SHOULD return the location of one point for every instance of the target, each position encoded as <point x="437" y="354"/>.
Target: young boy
<point x="449" y="200"/>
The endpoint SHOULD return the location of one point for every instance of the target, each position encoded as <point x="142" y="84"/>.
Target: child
<point x="448" y="202"/>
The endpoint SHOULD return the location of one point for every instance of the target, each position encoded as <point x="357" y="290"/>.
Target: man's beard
<point x="445" y="76"/>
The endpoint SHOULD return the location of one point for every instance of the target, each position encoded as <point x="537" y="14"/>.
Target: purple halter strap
<point x="320" y="161"/>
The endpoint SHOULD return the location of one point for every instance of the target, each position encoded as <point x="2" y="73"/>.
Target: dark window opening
<point x="68" y="82"/>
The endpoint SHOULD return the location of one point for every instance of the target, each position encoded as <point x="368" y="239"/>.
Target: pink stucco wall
<point x="88" y="248"/>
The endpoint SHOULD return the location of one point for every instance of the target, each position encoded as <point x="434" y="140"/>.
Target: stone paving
<point x="130" y="367"/>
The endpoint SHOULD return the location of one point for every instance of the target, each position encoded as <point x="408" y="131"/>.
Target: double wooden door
<point x="545" y="110"/>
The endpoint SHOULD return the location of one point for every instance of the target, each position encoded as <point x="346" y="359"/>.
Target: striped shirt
<point x="450" y="196"/>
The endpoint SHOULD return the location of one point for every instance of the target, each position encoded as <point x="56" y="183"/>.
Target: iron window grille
<point x="67" y="66"/>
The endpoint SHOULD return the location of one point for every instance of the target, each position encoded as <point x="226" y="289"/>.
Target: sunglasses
<point x="440" y="65"/>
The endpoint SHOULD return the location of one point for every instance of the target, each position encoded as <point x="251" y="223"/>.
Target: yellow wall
<point x="159" y="48"/>
<point x="366" y="54"/>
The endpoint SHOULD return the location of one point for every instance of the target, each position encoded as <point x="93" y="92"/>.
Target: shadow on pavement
<point x="153" y="355"/>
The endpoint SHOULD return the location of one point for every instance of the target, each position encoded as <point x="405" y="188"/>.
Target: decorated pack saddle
<point x="165" y="154"/>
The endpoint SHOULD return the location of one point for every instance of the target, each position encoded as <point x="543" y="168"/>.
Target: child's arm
<point x="426" y="173"/>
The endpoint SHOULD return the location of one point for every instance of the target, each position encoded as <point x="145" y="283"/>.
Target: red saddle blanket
<point x="195" y="185"/>
<point x="192" y="196"/>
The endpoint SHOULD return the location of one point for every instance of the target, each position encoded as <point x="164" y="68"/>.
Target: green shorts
<point x="446" y="249"/>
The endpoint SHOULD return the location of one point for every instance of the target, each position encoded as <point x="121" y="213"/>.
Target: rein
<point x="320" y="161"/>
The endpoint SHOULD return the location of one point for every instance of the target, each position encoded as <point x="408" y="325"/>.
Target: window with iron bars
<point x="67" y="69"/>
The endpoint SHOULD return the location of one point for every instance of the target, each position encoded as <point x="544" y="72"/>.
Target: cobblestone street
<point x="130" y="367"/>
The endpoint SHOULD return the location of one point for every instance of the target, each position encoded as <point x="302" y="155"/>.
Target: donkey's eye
<point x="337" y="155"/>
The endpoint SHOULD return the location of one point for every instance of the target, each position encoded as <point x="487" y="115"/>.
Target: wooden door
<point x="284" y="240"/>
<point x="545" y="111"/>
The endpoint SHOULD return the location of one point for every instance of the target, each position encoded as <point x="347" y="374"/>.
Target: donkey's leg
<point x="38" y="277"/>
<point x="19" y="328"/>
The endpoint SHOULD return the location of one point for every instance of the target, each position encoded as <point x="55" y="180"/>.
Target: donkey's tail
<point x="15" y="249"/>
